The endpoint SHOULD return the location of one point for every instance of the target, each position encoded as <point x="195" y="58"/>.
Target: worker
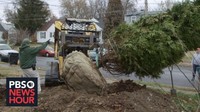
<point x="196" y="63"/>
<point x="27" y="58"/>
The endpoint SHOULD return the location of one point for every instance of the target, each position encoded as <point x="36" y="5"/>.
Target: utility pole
<point x="146" y="7"/>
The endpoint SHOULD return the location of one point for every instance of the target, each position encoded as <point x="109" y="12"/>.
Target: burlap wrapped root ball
<point x="80" y="74"/>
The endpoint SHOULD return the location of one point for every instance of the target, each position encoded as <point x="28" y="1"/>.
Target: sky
<point x="153" y="4"/>
<point x="55" y="5"/>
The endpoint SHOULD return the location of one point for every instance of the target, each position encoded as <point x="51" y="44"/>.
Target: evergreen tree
<point x="114" y="16"/>
<point x="31" y="15"/>
<point x="145" y="47"/>
<point x="186" y="17"/>
<point x="197" y="2"/>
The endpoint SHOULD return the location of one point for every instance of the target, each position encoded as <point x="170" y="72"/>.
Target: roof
<point x="100" y="23"/>
<point x="7" y="26"/>
<point x="2" y="28"/>
<point x="141" y="13"/>
<point x="98" y="28"/>
<point x="81" y="24"/>
<point x="79" y="20"/>
<point x="94" y="20"/>
<point x="48" y="24"/>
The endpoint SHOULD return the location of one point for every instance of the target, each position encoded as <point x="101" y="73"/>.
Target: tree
<point x="166" y="5"/>
<point x="20" y="35"/>
<point x="146" y="47"/>
<point x="154" y="42"/>
<point x="29" y="16"/>
<point x="129" y="5"/>
<point x="75" y="8"/>
<point x="97" y="8"/>
<point x="114" y="16"/>
<point x="186" y="17"/>
<point x="196" y="2"/>
<point x="10" y="15"/>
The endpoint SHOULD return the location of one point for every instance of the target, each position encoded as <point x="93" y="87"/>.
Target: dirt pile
<point x="117" y="97"/>
<point x="2" y="96"/>
<point x="120" y="86"/>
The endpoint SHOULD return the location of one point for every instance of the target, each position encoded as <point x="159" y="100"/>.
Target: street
<point x="178" y="77"/>
<point x="181" y="79"/>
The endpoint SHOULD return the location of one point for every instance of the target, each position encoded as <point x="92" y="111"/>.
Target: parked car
<point x="48" y="52"/>
<point x="5" y="51"/>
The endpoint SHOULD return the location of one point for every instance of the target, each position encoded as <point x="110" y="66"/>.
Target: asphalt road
<point x="181" y="77"/>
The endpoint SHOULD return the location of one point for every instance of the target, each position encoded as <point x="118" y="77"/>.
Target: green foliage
<point x="31" y="15"/>
<point x="156" y="42"/>
<point x="147" y="46"/>
<point x="187" y="102"/>
<point x="196" y="2"/>
<point x="186" y="17"/>
<point x="113" y="17"/>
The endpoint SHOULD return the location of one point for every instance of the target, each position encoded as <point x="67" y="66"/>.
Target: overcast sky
<point x="55" y="5"/>
<point x="153" y="4"/>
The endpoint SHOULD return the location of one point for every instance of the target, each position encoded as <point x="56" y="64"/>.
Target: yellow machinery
<point x="74" y="34"/>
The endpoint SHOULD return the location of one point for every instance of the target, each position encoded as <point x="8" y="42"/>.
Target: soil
<point x="123" y="96"/>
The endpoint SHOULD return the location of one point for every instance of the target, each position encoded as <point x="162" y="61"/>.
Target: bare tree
<point x="11" y="13"/>
<point x="97" y="8"/>
<point x="114" y="16"/>
<point x="17" y="36"/>
<point x="91" y="8"/>
<point x="75" y="8"/>
<point x="129" y="5"/>
<point x="165" y="5"/>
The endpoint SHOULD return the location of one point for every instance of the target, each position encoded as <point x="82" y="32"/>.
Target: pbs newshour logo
<point x="21" y="92"/>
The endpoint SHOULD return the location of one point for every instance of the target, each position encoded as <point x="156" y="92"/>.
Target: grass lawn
<point x="7" y="70"/>
<point x="188" y="102"/>
<point x="186" y="98"/>
<point x="14" y="70"/>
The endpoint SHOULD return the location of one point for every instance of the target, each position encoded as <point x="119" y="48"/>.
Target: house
<point x="98" y="29"/>
<point x="46" y="32"/>
<point x="2" y="30"/>
<point x="132" y="17"/>
<point x="6" y="31"/>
